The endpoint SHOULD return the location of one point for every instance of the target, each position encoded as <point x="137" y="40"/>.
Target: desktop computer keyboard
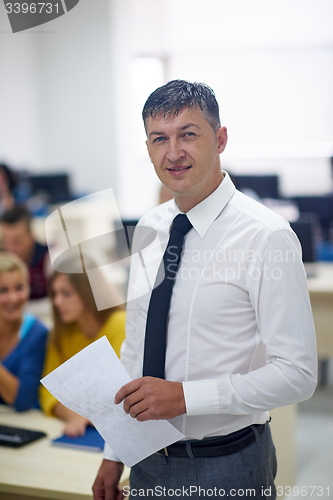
<point x="16" y="437"/>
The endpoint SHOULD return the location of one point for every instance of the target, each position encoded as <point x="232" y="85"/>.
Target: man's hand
<point x="149" y="398"/>
<point x="106" y="485"/>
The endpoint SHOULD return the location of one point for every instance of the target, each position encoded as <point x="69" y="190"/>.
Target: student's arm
<point x="21" y="389"/>
<point x="75" y="424"/>
<point x="9" y="385"/>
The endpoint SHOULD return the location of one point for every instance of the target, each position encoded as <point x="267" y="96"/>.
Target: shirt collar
<point x="203" y="215"/>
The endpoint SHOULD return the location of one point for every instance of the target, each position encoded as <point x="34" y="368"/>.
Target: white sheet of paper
<point x="87" y="384"/>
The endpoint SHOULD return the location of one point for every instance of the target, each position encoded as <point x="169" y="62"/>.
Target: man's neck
<point x="187" y="201"/>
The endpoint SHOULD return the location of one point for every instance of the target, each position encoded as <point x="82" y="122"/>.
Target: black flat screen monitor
<point x="322" y="206"/>
<point x="266" y="186"/>
<point x="54" y="186"/>
<point x="306" y="229"/>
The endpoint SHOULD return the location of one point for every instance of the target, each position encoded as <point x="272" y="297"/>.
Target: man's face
<point x="17" y="238"/>
<point x="184" y="150"/>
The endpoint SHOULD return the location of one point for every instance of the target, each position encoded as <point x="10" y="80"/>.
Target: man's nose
<point x="175" y="151"/>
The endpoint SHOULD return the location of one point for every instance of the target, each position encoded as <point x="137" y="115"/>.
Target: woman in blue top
<point x="22" y="338"/>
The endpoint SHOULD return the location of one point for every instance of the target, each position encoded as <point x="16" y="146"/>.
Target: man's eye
<point x="189" y="134"/>
<point x="159" y="139"/>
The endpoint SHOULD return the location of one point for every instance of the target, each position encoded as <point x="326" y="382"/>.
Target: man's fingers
<point x="127" y="389"/>
<point x="137" y="408"/>
<point x="150" y="398"/>
<point x="131" y="401"/>
<point x="142" y="417"/>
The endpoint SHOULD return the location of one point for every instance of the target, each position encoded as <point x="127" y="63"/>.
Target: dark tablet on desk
<point x="16" y="437"/>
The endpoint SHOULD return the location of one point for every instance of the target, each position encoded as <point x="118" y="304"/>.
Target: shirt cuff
<point x="201" y="397"/>
<point x="109" y="454"/>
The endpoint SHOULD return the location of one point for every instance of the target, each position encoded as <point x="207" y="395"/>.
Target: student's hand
<point x="106" y="485"/>
<point x="76" y="425"/>
<point x="149" y="398"/>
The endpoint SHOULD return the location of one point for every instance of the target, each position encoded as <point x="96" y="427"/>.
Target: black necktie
<point x="158" y="310"/>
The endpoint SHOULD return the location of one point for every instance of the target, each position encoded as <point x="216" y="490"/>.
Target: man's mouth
<point x="178" y="169"/>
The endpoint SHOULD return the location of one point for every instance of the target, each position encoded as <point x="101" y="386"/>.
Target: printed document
<point x="87" y="384"/>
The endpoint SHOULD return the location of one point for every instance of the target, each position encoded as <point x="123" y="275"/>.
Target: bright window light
<point x="145" y="75"/>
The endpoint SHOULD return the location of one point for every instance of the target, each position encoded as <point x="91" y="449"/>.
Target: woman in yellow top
<point x="77" y="323"/>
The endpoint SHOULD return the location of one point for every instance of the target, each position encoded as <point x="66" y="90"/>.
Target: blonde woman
<point x="22" y="338"/>
<point x="77" y="323"/>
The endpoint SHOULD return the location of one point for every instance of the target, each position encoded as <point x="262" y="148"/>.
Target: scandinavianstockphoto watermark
<point x="89" y="252"/>
<point x="272" y="255"/>
<point x="228" y="265"/>
<point x="227" y="274"/>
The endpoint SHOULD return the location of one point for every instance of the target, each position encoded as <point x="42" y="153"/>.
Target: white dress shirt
<point x="240" y="335"/>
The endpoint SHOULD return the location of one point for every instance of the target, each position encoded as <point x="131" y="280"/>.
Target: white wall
<point x="58" y="83"/>
<point x="269" y="96"/>
<point x="77" y="97"/>
<point x="19" y="142"/>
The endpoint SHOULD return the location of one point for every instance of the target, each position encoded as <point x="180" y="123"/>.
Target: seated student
<point x="77" y="323"/>
<point x="22" y="338"/>
<point x="17" y="238"/>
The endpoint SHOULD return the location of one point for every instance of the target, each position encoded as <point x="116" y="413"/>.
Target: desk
<point x="321" y="296"/>
<point x="42" y="471"/>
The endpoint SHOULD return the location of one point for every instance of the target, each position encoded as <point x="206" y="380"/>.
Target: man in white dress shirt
<point x="240" y="336"/>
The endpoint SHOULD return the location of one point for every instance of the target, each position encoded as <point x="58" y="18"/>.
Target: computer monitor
<point x="266" y="186"/>
<point x="55" y="187"/>
<point x="306" y="228"/>
<point x="320" y="205"/>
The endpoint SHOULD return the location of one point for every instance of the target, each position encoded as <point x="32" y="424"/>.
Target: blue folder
<point x="91" y="441"/>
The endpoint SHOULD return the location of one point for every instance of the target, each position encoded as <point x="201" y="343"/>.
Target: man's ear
<point x="222" y="139"/>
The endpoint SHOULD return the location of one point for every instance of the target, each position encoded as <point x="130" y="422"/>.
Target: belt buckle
<point x="163" y="451"/>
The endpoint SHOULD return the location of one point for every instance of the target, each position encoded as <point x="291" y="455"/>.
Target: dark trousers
<point x="246" y="474"/>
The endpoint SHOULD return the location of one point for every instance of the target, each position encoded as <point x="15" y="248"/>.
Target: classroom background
<point x="71" y="94"/>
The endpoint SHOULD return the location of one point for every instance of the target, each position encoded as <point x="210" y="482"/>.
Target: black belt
<point x="215" y="446"/>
